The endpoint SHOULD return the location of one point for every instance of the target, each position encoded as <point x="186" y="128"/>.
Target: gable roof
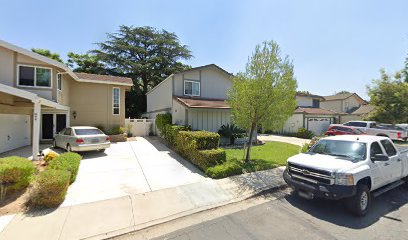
<point x="315" y="111"/>
<point x="88" y="77"/>
<point x="202" y="102"/>
<point x="343" y="96"/>
<point x="363" y="109"/>
<point x="57" y="64"/>
<point x="307" y="94"/>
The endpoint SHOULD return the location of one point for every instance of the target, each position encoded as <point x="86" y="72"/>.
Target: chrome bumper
<point x="90" y="147"/>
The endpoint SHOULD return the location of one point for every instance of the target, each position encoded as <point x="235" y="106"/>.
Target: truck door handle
<point x="386" y="164"/>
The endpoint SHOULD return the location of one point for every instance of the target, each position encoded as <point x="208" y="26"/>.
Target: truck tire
<point x="360" y="203"/>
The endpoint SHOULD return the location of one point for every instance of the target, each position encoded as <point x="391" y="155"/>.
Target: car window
<point x="68" y="132"/>
<point x="375" y="149"/>
<point x="349" y="130"/>
<point x="346" y="149"/>
<point x="88" y="131"/>
<point x="62" y="131"/>
<point x="389" y="147"/>
<point x="358" y="131"/>
<point x="373" y="125"/>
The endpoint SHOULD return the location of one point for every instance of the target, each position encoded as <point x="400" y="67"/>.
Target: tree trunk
<point x="251" y="133"/>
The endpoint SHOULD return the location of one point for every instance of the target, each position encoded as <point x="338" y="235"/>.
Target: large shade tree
<point x="265" y="93"/>
<point x="87" y="63"/>
<point x="47" y="53"/>
<point x="146" y="55"/>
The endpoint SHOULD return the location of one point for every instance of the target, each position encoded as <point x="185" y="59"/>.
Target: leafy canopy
<point x="389" y="95"/>
<point x="87" y="63"/>
<point x="47" y="53"/>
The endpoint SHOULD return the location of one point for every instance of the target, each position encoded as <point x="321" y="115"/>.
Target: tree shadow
<point x="336" y="212"/>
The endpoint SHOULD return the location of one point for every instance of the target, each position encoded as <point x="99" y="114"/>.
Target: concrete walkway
<point x="102" y="219"/>
<point x="279" y="138"/>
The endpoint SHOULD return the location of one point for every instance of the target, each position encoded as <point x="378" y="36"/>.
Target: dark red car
<point x="343" y="130"/>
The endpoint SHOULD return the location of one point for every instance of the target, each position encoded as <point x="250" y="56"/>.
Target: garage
<point x="15" y="131"/>
<point x="318" y="125"/>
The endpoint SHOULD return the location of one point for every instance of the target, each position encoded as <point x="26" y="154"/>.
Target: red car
<point x="343" y="130"/>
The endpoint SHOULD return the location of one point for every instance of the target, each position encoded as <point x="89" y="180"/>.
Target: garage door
<point x="318" y="125"/>
<point x="14" y="131"/>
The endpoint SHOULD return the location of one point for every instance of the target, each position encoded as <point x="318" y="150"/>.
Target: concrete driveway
<point x="128" y="168"/>
<point x="279" y="138"/>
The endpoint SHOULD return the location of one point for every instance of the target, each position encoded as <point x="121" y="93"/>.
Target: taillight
<point x="398" y="134"/>
<point x="79" y="140"/>
<point x="107" y="138"/>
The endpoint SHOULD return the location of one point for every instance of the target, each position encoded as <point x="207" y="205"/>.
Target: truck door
<point x="394" y="167"/>
<point x="377" y="168"/>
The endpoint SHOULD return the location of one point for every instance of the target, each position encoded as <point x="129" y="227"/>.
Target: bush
<point x="229" y="168"/>
<point x="202" y="139"/>
<point x="69" y="162"/>
<point x="115" y="130"/>
<point x="304" y="133"/>
<point x="16" y="172"/>
<point x="209" y="158"/>
<point x="307" y="146"/>
<point x="50" y="188"/>
<point x="171" y="131"/>
<point x="162" y="120"/>
<point x="232" y="132"/>
<point x="50" y="156"/>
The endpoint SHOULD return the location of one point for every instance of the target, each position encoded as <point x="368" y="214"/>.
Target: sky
<point x="334" y="45"/>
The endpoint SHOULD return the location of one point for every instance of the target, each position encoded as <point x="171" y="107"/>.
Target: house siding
<point x="334" y="105"/>
<point x="208" y="119"/>
<point x="160" y="98"/>
<point x="7" y="67"/>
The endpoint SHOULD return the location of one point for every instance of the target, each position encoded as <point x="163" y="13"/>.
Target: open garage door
<point x="318" y="125"/>
<point x="14" y="131"/>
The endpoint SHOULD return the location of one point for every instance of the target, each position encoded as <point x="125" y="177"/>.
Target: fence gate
<point x="141" y="127"/>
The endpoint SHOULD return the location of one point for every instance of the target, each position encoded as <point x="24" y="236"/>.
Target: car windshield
<point x="88" y="131"/>
<point x="355" y="151"/>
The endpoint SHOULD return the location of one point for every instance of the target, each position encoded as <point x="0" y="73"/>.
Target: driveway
<point x="278" y="138"/>
<point x="127" y="168"/>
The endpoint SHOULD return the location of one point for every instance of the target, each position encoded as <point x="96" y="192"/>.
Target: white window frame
<point x="192" y="82"/>
<point x="113" y="101"/>
<point x="35" y="76"/>
<point x="59" y="82"/>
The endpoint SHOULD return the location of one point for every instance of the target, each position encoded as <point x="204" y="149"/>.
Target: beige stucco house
<point x="195" y="97"/>
<point x="40" y="96"/>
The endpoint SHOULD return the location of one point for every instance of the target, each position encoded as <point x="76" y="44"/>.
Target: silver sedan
<point x="76" y="139"/>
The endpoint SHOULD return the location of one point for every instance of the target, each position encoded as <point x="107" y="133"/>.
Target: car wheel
<point x="69" y="149"/>
<point x="360" y="203"/>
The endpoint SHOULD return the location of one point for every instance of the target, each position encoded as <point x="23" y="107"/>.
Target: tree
<point x="87" y="63"/>
<point x="343" y="91"/>
<point x="389" y="95"/>
<point x="47" y="53"/>
<point x="405" y="70"/>
<point x="144" y="54"/>
<point x="265" y="93"/>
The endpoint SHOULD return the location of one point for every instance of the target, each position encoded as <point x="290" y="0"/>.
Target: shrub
<point x="16" y="172"/>
<point x="231" y="131"/>
<point x="307" y="146"/>
<point x="115" y="130"/>
<point x="229" y="168"/>
<point x="203" y="139"/>
<point x="69" y="162"/>
<point x="162" y="120"/>
<point x="50" y="188"/>
<point x="209" y="158"/>
<point x="304" y="133"/>
<point x="170" y="132"/>
<point x="50" y="156"/>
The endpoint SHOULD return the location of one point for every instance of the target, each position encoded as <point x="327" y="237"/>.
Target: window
<point x="59" y="81"/>
<point x="375" y="149"/>
<point x="34" y="76"/>
<point x="116" y="100"/>
<point x="88" y="131"/>
<point x="316" y="103"/>
<point x="68" y="132"/>
<point x="353" y="151"/>
<point x="389" y="148"/>
<point x="191" y="88"/>
<point x="356" y="124"/>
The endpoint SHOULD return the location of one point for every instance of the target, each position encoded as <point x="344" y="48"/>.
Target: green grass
<point x="267" y="156"/>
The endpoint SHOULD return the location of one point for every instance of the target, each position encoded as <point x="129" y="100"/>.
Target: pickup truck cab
<point x="348" y="167"/>
<point x="371" y="128"/>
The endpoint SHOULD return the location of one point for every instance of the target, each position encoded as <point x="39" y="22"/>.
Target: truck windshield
<point x="354" y="151"/>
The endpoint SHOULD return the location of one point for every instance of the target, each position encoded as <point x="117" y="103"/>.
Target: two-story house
<point x="40" y="96"/>
<point x="343" y="102"/>
<point x="195" y="97"/>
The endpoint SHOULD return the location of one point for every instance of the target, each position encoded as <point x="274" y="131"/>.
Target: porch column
<point x="36" y="129"/>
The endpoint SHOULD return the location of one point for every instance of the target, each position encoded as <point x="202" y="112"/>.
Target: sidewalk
<point x="99" y="220"/>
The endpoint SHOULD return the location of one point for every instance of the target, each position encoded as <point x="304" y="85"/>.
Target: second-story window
<point x="34" y="76"/>
<point x="316" y="103"/>
<point x="59" y="81"/>
<point x="191" y="88"/>
<point x="116" y="100"/>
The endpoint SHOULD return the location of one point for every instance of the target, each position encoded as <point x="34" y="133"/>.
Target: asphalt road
<point x="290" y="217"/>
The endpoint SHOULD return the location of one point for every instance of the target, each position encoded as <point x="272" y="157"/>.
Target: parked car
<point x="348" y="167"/>
<point x="371" y="128"/>
<point x="78" y="139"/>
<point x="338" y="129"/>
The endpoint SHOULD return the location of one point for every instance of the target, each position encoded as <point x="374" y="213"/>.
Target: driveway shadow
<point x="336" y="212"/>
<point x="161" y="147"/>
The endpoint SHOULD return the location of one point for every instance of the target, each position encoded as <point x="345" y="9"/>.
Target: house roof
<point x="202" y="102"/>
<point x="363" y="109"/>
<point x="343" y="96"/>
<point x="307" y="94"/>
<point x="104" y="78"/>
<point x="316" y="111"/>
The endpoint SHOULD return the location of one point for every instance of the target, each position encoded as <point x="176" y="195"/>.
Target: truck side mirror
<point x="380" y="158"/>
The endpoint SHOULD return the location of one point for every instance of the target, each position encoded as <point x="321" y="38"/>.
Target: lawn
<point x="267" y="156"/>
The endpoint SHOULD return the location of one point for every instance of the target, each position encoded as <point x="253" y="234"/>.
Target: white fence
<point x="141" y="127"/>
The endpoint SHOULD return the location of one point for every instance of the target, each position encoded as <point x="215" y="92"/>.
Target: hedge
<point x="171" y="131"/>
<point x="203" y="139"/>
<point x="69" y="162"/>
<point x="229" y="168"/>
<point x="162" y="120"/>
<point x="50" y="188"/>
<point x="16" y="172"/>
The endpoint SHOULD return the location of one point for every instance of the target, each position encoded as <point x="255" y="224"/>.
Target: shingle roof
<point x="206" y="66"/>
<point x="339" y="96"/>
<point x="307" y="94"/>
<point x="203" y="102"/>
<point x="363" y="109"/>
<point x="317" y="111"/>
<point x="105" y="78"/>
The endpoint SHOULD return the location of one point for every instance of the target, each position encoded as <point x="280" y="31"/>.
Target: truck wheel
<point x="360" y="203"/>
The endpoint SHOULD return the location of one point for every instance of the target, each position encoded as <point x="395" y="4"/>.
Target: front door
<point x="61" y="122"/>
<point x="47" y="124"/>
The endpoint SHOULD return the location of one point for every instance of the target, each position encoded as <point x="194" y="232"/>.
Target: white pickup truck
<point x="348" y="167"/>
<point x="371" y="128"/>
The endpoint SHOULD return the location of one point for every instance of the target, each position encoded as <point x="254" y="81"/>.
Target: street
<point x="284" y="216"/>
